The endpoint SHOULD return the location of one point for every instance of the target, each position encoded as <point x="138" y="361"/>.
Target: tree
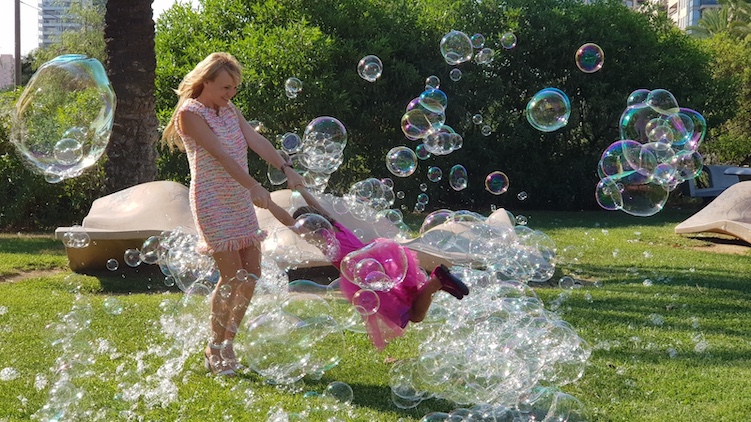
<point x="321" y="41"/>
<point x="131" y="63"/>
<point x="733" y="17"/>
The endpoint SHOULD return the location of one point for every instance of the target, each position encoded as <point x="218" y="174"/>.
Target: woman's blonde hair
<point x="192" y="85"/>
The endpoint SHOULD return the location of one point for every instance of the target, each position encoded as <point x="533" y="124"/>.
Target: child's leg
<point x="424" y="299"/>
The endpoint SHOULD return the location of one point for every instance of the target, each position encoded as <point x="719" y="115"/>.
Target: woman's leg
<point x="251" y="262"/>
<point x="221" y="306"/>
<point x="423" y="300"/>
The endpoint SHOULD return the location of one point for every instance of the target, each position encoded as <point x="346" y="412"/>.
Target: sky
<point x="29" y="18"/>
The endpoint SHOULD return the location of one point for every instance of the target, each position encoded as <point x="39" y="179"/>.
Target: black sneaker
<point x="449" y="282"/>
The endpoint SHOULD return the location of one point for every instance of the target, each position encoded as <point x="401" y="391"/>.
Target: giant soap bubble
<point x="63" y="120"/>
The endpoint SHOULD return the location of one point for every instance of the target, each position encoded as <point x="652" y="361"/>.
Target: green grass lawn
<point x="668" y="320"/>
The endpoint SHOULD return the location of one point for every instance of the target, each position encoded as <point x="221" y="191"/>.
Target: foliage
<point x="730" y="105"/>
<point x="559" y="167"/>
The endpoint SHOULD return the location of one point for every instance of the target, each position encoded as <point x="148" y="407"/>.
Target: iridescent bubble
<point x="340" y="391"/>
<point x="458" y="177"/>
<point x="112" y="264"/>
<point x="63" y="120"/>
<point x="132" y="257"/>
<point x="291" y="143"/>
<point x="508" y="40"/>
<point x="435" y="174"/>
<point x="366" y="302"/>
<point x="456" y="47"/>
<point x="496" y="182"/>
<point x="434" y="100"/>
<point x="423" y="187"/>
<point x="293" y="86"/>
<point x="442" y="141"/>
<point x="484" y="56"/>
<point x="327" y="129"/>
<point x="589" y="58"/>
<point x="370" y="68"/>
<point x="400" y="194"/>
<point x="432" y="82"/>
<point x="150" y="250"/>
<point x="608" y="194"/>
<point x="662" y="101"/>
<point x="477" y="119"/>
<point x="415" y="124"/>
<point x="419" y="121"/>
<point x="478" y="41"/>
<point x="548" y="110"/>
<point x="522" y="196"/>
<point x="455" y="75"/>
<point x="637" y="97"/>
<point x="486" y="130"/>
<point x="422" y="152"/>
<point x="423" y="199"/>
<point x="401" y="161"/>
<point x="643" y="200"/>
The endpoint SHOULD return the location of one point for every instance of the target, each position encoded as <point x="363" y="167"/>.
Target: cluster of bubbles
<point x="511" y="252"/>
<point x="370" y="68"/>
<point x="63" y="120"/>
<point x="292" y="87"/>
<point x="516" y="345"/>
<point x="316" y="155"/>
<point x="175" y="253"/>
<point x="71" y="337"/>
<point x="76" y="237"/>
<point x="548" y="110"/>
<point x="657" y="151"/>
<point x="540" y="404"/>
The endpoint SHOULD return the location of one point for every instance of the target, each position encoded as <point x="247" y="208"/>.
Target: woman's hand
<point x="260" y="196"/>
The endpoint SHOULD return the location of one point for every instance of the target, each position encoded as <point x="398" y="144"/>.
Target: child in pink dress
<point x="409" y="299"/>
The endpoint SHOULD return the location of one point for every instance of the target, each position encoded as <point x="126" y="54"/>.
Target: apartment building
<point x="54" y="19"/>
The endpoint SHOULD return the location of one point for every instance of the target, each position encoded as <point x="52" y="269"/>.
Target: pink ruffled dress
<point x="223" y="210"/>
<point x="392" y="316"/>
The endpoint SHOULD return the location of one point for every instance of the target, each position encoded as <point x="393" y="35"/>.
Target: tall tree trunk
<point x="131" y="67"/>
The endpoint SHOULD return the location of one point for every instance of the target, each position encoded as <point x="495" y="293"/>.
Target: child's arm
<point x="313" y="202"/>
<point x="281" y="214"/>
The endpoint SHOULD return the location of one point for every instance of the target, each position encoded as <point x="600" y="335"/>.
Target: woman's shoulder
<point x="194" y="106"/>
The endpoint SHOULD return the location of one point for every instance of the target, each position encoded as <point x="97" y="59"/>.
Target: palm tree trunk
<point x="131" y="67"/>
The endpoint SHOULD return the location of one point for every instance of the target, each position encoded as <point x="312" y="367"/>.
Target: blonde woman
<point x="216" y="137"/>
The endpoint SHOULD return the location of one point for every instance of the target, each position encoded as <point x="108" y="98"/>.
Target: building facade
<point x="55" y="18"/>
<point x="686" y="13"/>
<point x="7" y="70"/>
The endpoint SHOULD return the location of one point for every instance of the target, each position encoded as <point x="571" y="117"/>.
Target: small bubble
<point x="112" y="264"/>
